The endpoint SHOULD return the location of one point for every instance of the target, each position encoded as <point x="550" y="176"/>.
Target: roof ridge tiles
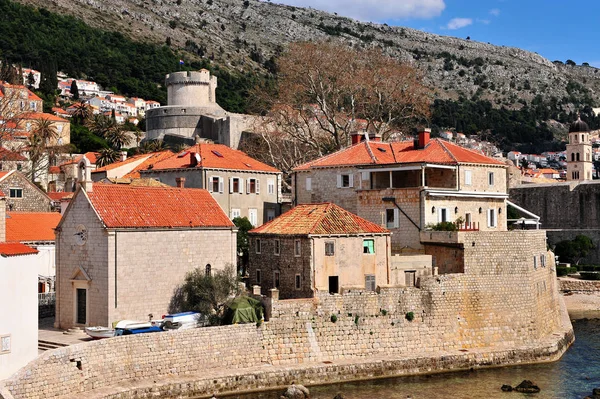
<point x="446" y="149"/>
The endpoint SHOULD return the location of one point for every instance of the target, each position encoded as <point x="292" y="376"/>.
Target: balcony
<point x="46" y="298"/>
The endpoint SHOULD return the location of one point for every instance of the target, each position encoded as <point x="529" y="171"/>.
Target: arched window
<point x="582" y="138"/>
<point x="572" y="157"/>
<point x="577" y="156"/>
<point x="208" y="270"/>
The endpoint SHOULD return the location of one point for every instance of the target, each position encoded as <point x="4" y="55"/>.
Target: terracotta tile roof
<point x="8" y="155"/>
<point x="16" y="249"/>
<point x="118" y="164"/>
<point x="42" y="115"/>
<point x="4" y="174"/>
<point x="127" y="206"/>
<point x="216" y="156"/>
<point x="54" y="170"/>
<point x="32" y="96"/>
<point x="149" y="163"/>
<point x="91" y="156"/>
<point x="378" y="153"/>
<point x="31" y="226"/>
<point x="58" y="195"/>
<point x="2" y="195"/>
<point x="326" y="218"/>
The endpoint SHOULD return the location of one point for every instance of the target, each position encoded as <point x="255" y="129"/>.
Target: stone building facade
<point x="122" y="250"/>
<point x="22" y="195"/>
<point x="242" y="186"/>
<point x="192" y="113"/>
<point x="409" y="186"/>
<point x="579" y="152"/>
<point x="318" y="248"/>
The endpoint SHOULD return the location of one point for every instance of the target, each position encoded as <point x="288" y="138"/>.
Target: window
<point x="573" y="157"/>
<point x="253" y="186"/>
<point x="235" y="213"/>
<point x="577" y="154"/>
<point x="468" y="178"/>
<point x="442" y="215"/>
<point x="410" y="278"/>
<point x="253" y="216"/>
<point x="391" y="218"/>
<point x="32" y="105"/>
<point x="329" y="248"/>
<point x="19" y="166"/>
<point x="216" y="184"/>
<point x="345" y="181"/>
<point x="257" y="276"/>
<point x="535" y="262"/>
<point x="270" y="214"/>
<point x="468" y="220"/>
<point x="207" y="270"/>
<point x="368" y="246"/>
<point x="257" y="245"/>
<point x="298" y="282"/>
<point x="309" y="184"/>
<point x="16" y="193"/>
<point x="271" y="186"/>
<point x="370" y="282"/>
<point x="297" y="248"/>
<point x="276" y="279"/>
<point x="235" y="185"/>
<point x="4" y="344"/>
<point x="491" y="178"/>
<point x="277" y="247"/>
<point x="491" y="218"/>
<point x="543" y="260"/>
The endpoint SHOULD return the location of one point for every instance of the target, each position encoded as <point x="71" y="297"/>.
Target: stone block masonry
<point x="490" y="317"/>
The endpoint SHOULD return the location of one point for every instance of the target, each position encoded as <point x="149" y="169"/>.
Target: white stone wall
<point x="18" y="312"/>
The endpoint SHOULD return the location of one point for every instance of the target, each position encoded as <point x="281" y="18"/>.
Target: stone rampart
<point x="579" y="285"/>
<point x="460" y="321"/>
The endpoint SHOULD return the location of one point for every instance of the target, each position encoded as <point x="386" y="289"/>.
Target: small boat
<point x="182" y="321"/>
<point x="100" y="332"/>
<point x="132" y="324"/>
<point x="131" y="331"/>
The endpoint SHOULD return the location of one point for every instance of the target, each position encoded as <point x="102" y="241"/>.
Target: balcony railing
<point x="468" y="226"/>
<point x="46" y="298"/>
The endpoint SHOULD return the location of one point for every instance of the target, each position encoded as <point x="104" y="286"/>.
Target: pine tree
<point x="30" y="81"/>
<point x="74" y="90"/>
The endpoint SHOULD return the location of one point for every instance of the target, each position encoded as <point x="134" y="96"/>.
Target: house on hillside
<point x="12" y="160"/>
<point x="22" y="195"/>
<point x="409" y="186"/>
<point x="122" y="250"/>
<point x="242" y="185"/>
<point x="318" y="247"/>
<point x="129" y="167"/>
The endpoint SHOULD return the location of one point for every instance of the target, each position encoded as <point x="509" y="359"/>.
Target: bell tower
<point x="579" y="152"/>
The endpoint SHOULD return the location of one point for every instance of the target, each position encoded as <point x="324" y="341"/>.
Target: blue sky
<point x="558" y="30"/>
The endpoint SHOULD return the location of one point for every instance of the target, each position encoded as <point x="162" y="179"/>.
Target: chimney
<point x="123" y="156"/>
<point x="180" y="182"/>
<point x="423" y="140"/>
<point x="357" y="137"/>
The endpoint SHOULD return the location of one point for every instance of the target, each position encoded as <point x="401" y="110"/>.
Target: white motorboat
<point x="133" y="325"/>
<point x="182" y="321"/>
<point x="100" y="332"/>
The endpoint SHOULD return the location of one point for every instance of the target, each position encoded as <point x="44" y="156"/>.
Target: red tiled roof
<point x="16" y="249"/>
<point x="2" y="195"/>
<point x="8" y="155"/>
<point x="54" y="170"/>
<point x="216" y="156"/>
<point x="118" y="164"/>
<point x="42" y="115"/>
<point x="316" y="219"/>
<point x="32" y="96"/>
<point x="31" y="226"/>
<point x="378" y="153"/>
<point x="3" y="174"/>
<point x="58" y="195"/>
<point x="91" y="156"/>
<point x="134" y="206"/>
<point x="149" y="163"/>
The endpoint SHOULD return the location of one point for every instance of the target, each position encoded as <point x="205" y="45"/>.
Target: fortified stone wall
<point x="494" y="308"/>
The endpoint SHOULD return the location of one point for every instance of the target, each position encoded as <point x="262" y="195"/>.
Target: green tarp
<point x="244" y="310"/>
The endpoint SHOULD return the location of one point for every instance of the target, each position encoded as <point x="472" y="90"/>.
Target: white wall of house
<point x="18" y="313"/>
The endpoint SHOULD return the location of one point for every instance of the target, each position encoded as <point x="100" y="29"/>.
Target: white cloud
<point x="457" y="23"/>
<point x="484" y="21"/>
<point x="375" y="10"/>
<point x="495" y="12"/>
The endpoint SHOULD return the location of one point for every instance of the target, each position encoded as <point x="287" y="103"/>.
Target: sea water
<point x="573" y="376"/>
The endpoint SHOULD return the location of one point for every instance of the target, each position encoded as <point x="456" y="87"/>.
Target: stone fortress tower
<point x="579" y="152"/>
<point x="192" y="113"/>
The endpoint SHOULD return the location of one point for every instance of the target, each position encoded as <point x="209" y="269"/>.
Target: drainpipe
<point x="314" y="268"/>
<point x="57" y="279"/>
<point x="116" y="269"/>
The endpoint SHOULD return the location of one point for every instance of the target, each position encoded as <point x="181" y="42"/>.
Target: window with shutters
<point x="271" y="186"/>
<point x="391" y="218"/>
<point x="345" y="181"/>
<point x="16" y="193"/>
<point x="368" y="246"/>
<point x="309" y="184"/>
<point x="235" y="213"/>
<point x="370" y="284"/>
<point x="253" y="186"/>
<point x="492" y="222"/>
<point x="216" y="184"/>
<point x="235" y="185"/>
<point x="468" y="178"/>
<point x="329" y="248"/>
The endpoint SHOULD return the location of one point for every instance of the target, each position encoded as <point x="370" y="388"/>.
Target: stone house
<point x="22" y="195"/>
<point x="318" y="247"/>
<point x="12" y="160"/>
<point x="242" y="185"/>
<point x="409" y="186"/>
<point x="122" y="250"/>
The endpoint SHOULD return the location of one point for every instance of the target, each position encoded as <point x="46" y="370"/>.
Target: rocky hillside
<point x="246" y="35"/>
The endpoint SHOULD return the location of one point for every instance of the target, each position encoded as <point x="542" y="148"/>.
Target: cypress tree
<point x="74" y="90"/>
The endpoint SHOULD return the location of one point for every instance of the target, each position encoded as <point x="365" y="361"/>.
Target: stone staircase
<point x="49" y="345"/>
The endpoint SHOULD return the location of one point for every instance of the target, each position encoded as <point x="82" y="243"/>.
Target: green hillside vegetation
<point x="51" y="42"/>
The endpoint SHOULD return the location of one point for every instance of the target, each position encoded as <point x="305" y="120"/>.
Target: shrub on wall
<point x="410" y="316"/>
<point x="590" y="275"/>
<point x="333" y="318"/>
<point x="563" y="270"/>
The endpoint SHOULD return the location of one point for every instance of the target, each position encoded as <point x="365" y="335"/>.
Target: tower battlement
<point x="191" y="88"/>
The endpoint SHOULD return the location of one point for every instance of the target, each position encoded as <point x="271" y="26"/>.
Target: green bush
<point x="590" y="275"/>
<point x="589" y="268"/>
<point x="410" y="316"/>
<point x="563" y="270"/>
<point x="443" y="226"/>
<point x="333" y="318"/>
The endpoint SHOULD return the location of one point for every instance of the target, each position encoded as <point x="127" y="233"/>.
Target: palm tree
<point x="100" y="125"/>
<point x="46" y="130"/>
<point x="138" y="134"/>
<point x="106" y="157"/>
<point x="82" y="112"/>
<point x="117" y="137"/>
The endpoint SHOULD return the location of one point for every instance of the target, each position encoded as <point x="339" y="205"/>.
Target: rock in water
<point x="296" y="392"/>
<point x="506" y="388"/>
<point x="527" y="387"/>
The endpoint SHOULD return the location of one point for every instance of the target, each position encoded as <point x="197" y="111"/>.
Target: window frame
<point x="276" y="247"/>
<point x="257" y="246"/>
<point x="298" y="282"/>
<point x="468" y="177"/>
<point x="271" y="186"/>
<point x="297" y="248"/>
<point x="491" y="179"/>
<point x="366" y="241"/>
<point x="218" y="180"/>
<point x="329" y="248"/>
<point x="16" y="190"/>
<point x="276" y="279"/>
<point x="370" y="283"/>
<point x="492" y="218"/>
<point x="258" y="276"/>
<point x="340" y="180"/>
<point x="252" y="183"/>
<point x="308" y="184"/>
